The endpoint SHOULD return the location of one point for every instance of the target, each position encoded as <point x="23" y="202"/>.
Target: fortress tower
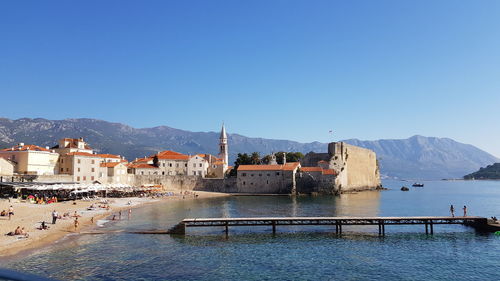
<point x="223" y="152"/>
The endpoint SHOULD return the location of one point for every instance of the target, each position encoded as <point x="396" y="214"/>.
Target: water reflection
<point x="359" y="204"/>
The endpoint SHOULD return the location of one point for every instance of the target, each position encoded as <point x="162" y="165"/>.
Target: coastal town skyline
<point x="408" y="73"/>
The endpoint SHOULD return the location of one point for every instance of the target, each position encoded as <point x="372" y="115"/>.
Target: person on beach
<point x="465" y="211"/>
<point x="76" y="223"/>
<point x="452" y="211"/>
<point x="11" y="211"/>
<point x="120" y="215"/>
<point x="129" y="213"/>
<point x="55" y="215"/>
<point x="92" y="220"/>
<point x="17" y="231"/>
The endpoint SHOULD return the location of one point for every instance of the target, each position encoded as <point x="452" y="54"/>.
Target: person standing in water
<point x="465" y="210"/>
<point x="76" y="223"/>
<point x="452" y="211"/>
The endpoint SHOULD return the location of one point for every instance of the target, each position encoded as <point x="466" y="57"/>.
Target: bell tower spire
<point x="223" y="151"/>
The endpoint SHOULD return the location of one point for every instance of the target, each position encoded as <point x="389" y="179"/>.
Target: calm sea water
<point x="294" y="253"/>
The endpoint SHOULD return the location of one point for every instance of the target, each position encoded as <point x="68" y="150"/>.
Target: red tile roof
<point x="286" y="167"/>
<point x="108" y="156"/>
<point x="171" y="155"/>
<point x="83" y="154"/>
<point x="110" y="164"/>
<point x="311" y="169"/>
<point x="318" y="169"/>
<point x="142" y="166"/>
<point x="329" y="172"/>
<point x="290" y="166"/>
<point x="26" y="147"/>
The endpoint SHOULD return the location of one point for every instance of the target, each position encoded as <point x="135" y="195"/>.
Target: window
<point x="62" y="169"/>
<point x="93" y="161"/>
<point x="142" y="172"/>
<point x="170" y="164"/>
<point x="194" y="165"/>
<point x="267" y="182"/>
<point x="92" y="178"/>
<point x="260" y="175"/>
<point x="201" y="165"/>
<point x="277" y="173"/>
<point x="78" y="169"/>
<point x="163" y="173"/>
<point x="84" y="178"/>
<point x="163" y="164"/>
<point x="251" y="175"/>
<point x="194" y="173"/>
<point x="177" y="165"/>
<point x="243" y="183"/>
<point x="67" y="169"/>
<point x="62" y="160"/>
<point x="244" y="174"/>
<point x="199" y="173"/>
<point x="79" y="161"/>
<point x="77" y="178"/>
<point x="93" y="170"/>
<point x="185" y="165"/>
<point x="268" y="175"/>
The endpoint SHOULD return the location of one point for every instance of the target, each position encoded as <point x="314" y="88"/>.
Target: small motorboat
<point x="404" y="188"/>
<point x="418" y="184"/>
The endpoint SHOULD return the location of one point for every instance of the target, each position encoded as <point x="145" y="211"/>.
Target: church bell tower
<point x="223" y="152"/>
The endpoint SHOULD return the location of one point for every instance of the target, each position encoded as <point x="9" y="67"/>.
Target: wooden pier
<point x="337" y="222"/>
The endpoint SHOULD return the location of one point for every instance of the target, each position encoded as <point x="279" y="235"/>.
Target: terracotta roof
<point x="311" y="169"/>
<point x="109" y="156"/>
<point x="329" y="172"/>
<point x="110" y="164"/>
<point x="142" y="166"/>
<point x="168" y="152"/>
<point x="286" y="167"/>
<point x="83" y="154"/>
<point x="290" y="166"/>
<point x="26" y="147"/>
<point x="143" y="160"/>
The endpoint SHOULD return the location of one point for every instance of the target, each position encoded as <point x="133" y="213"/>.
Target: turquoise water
<point x="294" y="253"/>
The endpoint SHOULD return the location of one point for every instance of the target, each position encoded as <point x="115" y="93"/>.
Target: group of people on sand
<point x="189" y="193"/>
<point x="452" y="210"/>
<point x="19" y="231"/>
<point x="5" y="213"/>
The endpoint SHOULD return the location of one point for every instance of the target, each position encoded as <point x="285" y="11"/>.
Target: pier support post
<point x="226" y="226"/>
<point x="340" y="227"/>
<point x="426" y="228"/>
<point x="336" y="227"/>
<point x="383" y="228"/>
<point x="274" y="227"/>
<point x="432" y="228"/>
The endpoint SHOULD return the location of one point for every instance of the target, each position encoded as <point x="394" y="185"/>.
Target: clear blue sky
<point x="274" y="69"/>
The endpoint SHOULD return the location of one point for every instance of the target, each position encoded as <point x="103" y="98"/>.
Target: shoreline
<point x="12" y="246"/>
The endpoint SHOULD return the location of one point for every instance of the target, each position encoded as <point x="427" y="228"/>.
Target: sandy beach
<point x="30" y="217"/>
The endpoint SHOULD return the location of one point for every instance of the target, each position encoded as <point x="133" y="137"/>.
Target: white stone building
<point x="31" y="159"/>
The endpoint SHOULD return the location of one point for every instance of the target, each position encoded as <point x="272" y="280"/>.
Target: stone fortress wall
<point x="357" y="167"/>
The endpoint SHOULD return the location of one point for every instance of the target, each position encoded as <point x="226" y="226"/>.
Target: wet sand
<point x="30" y="217"/>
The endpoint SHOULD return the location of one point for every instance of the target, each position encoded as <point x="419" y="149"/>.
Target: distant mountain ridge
<point x="416" y="157"/>
<point x="421" y="157"/>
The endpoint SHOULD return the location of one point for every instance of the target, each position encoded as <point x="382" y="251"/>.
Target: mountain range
<point x="417" y="157"/>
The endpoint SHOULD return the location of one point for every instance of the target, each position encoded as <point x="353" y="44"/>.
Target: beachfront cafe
<point x="42" y="193"/>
